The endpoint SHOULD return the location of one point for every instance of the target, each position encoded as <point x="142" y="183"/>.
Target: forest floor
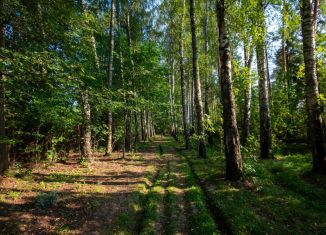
<point x="162" y="189"/>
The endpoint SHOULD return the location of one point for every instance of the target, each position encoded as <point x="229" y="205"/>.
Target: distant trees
<point x="160" y="69"/>
<point x="66" y="76"/>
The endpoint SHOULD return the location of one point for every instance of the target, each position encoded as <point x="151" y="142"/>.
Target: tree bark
<point x="87" y="133"/>
<point x="202" y="151"/>
<point x="4" y="157"/>
<point x="315" y="122"/>
<point x="174" y="128"/>
<point x="110" y="119"/>
<point x="231" y="135"/>
<point x="128" y="136"/>
<point x="264" y="104"/>
<point x="247" y="101"/>
<point x="185" y="115"/>
<point x="208" y="72"/>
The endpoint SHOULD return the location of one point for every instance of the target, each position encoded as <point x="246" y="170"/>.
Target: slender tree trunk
<point x="316" y="6"/>
<point x="189" y="95"/>
<point x="145" y="126"/>
<point x="285" y="67"/>
<point x="128" y="136"/>
<point x="136" y="128"/>
<point x="315" y="126"/>
<point x="247" y="101"/>
<point x="172" y="102"/>
<point x="208" y="71"/>
<point x="4" y="157"/>
<point x="202" y="151"/>
<point x="110" y="71"/>
<point x="265" y="116"/>
<point x="142" y="120"/>
<point x="87" y="133"/>
<point x="184" y="102"/>
<point x="148" y="133"/>
<point x="128" y="131"/>
<point x="269" y="86"/>
<point x="231" y="136"/>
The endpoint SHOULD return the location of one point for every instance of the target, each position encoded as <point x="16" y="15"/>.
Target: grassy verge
<point x="276" y="197"/>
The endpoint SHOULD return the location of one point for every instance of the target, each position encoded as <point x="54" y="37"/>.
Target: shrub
<point x="46" y="200"/>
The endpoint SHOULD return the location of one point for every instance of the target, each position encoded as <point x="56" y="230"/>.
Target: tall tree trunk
<point x="4" y="157"/>
<point x="202" y="151"/>
<point x="110" y="119"/>
<point x="269" y="86"/>
<point x="128" y="136"/>
<point x="231" y="135"/>
<point x="190" y="102"/>
<point x="87" y="133"/>
<point x="86" y="147"/>
<point x="208" y="71"/>
<point x="315" y="125"/>
<point x="184" y="102"/>
<point x="284" y="10"/>
<point x="247" y="102"/>
<point x="285" y="81"/>
<point x="172" y="102"/>
<point x="264" y="108"/>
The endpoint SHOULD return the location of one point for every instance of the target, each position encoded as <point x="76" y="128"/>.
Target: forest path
<point x="148" y="192"/>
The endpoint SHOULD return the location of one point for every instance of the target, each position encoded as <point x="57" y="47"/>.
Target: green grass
<point x="151" y="204"/>
<point x="200" y="220"/>
<point x="276" y="199"/>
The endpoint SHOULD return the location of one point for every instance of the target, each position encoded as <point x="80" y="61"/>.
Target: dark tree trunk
<point x="184" y="84"/>
<point x="231" y="136"/>
<point x="142" y="121"/>
<point x="315" y="121"/>
<point x="4" y="159"/>
<point x="264" y="108"/>
<point x="110" y="71"/>
<point x="202" y="151"/>
<point x="136" y="128"/>
<point x="128" y="131"/>
<point x="148" y="127"/>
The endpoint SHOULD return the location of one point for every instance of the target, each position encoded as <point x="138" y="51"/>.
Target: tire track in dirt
<point x="157" y="180"/>
<point x="177" y="217"/>
<point x="220" y="220"/>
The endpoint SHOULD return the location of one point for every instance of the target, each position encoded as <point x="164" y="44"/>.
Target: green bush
<point x="46" y="200"/>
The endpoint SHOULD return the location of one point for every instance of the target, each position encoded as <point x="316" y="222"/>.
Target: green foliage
<point x="46" y="200"/>
<point x="14" y="195"/>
